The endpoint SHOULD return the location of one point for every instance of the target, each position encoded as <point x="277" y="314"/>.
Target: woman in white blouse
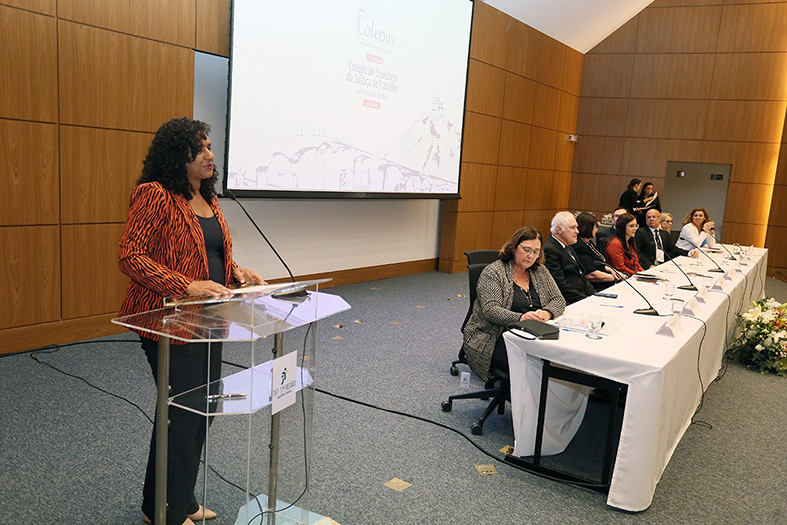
<point x="698" y="230"/>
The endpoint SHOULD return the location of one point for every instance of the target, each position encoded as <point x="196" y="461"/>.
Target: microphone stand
<point x="689" y="286"/>
<point x="641" y="311"/>
<point x="284" y="293"/>
<point x="732" y="257"/>
<point x="718" y="268"/>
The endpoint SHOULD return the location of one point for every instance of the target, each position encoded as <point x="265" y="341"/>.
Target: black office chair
<point x="483" y="258"/>
<point x="497" y="387"/>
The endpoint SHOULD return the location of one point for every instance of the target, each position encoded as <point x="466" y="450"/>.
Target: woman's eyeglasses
<point x="530" y="251"/>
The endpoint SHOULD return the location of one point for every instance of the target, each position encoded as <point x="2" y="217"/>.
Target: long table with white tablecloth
<point x="662" y="370"/>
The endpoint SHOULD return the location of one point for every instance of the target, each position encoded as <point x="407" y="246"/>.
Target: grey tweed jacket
<point x="492" y="310"/>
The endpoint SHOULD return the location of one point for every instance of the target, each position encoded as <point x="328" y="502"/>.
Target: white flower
<point x="768" y="342"/>
<point x="758" y="348"/>
<point x="772" y="303"/>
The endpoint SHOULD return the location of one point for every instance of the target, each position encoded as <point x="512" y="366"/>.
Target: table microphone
<point x="232" y="196"/>
<point x="641" y="311"/>
<point x="718" y="268"/>
<point x="732" y="257"/>
<point x="689" y="286"/>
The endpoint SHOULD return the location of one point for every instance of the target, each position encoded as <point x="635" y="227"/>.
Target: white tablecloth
<point x="660" y="370"/>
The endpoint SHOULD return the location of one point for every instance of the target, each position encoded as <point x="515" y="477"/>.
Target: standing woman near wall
<point x="176" y="242"/>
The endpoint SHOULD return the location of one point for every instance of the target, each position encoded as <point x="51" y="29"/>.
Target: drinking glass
<point x="669" y="290"/>
<point x="594" y="324"/>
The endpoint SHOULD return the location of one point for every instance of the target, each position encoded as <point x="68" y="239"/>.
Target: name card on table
<point x="702" y="295"/>
<point x="728" y="274"/>
<point x="671" y="326"/>
<point x="692" y="307"/>
<point x="738" y="267"/>
<point x="720" y="285"/>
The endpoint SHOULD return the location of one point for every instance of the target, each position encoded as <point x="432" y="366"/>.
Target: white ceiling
<point x="580" y="24"/>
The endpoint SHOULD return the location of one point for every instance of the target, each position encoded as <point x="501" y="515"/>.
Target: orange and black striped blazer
<point x="163" y="248"/>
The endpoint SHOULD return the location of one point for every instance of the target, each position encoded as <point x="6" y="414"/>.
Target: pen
<point x="612" y="305"/>
<point x="217" y="397"/>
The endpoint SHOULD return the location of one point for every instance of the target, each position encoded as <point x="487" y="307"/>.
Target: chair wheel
<point x="447" y="406"/>
<point x="454" y="371"/>
<point x="476" y="429"/>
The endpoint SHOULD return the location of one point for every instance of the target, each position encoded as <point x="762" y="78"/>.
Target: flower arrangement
<point x="762" y="341"/>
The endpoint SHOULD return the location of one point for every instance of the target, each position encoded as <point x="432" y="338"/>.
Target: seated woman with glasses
<point x="597" y="269"/>
<point x="621" y="249"/>
<point x="515" y="287"/>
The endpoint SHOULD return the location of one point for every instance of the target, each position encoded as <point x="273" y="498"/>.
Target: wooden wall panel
<point x="150" y="75"/>
<point x="561" y="185"/>
<point x="485" y="86"/>
<point x="98" y="187"/>
<point x="542" y="149"/>
<point x="519" y="37"/>
<point x="564" y="153"/>
<point x="686" y="3"/>
<point x="537" y="189"/>
<point x="754" y="28"/>
<point x="91" y="285"/>
<point x="748" y="203"/>
<point x="747" y="235"/>
<point x="30" y="275"/>
<point x="546" y="107"/>
<point x="546" y="60"/>
<point x="678" y="30"/>
<point x="46" y="7"/>
<point x="669" y="119"/>
<point x="602" y="116"/>
<point x="647" y="159"/>
<point x="607" y="75"/>
<point x="684" y="75"/>
<point x="733" y="73"/>
<point x="29" y="151"/>
<point x="28" y="65"/>
<point x="753" y="121"/>
<point x="171" y="21"/>
<point x="622" y="40"/>
<point x="519" y="98"/>
<point x="591" y="191"/>
<point x="489" y="35"/>
<point x="598" y="155"/>
<point x="473" y="232"/>
<point x="539" y="219"/>
<point x="572" y="78"/>
<point x="753" y="162"/>
<point x="778" y="215"/>
<point x="477" y="187"/>
<point x="504" y="224"/>
<point x="511" y="186"/>
<point x="213" y="26"/>
<point x="515" y="143"/>
<point x="481" y="138"/>
<point x="567" y="116"/>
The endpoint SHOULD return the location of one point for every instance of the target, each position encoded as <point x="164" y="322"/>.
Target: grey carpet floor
<point x="70" y="453"/>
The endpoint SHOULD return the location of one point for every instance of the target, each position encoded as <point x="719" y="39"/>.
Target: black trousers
<point x="188" y="369"/>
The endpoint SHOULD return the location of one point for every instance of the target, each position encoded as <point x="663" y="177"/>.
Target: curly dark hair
<point x="177" y="142"/>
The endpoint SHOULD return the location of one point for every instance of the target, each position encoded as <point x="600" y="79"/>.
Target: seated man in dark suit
<point x="562" y="262"/>
<point x="605" y="233"/>
<point x="654" y="245"/>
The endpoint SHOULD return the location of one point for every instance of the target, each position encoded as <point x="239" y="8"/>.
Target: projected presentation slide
<point x="348" y="96"/>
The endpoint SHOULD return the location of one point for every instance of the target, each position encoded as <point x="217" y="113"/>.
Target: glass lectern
<point x="256" y="318"/>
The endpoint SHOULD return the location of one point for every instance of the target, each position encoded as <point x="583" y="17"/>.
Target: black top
<point x="567" y="272"/>
<point x="214" y="246"/>
<point x="525" y="301"/>
<point x="629" y="200"/>
<point x="655" y="204"/>
<point x="591" y="259"/>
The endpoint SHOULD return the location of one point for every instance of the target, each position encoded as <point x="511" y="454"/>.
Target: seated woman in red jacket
<point x="621" y="250"/>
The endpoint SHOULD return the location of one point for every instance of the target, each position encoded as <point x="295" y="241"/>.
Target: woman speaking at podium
<point x="176" y="242"/>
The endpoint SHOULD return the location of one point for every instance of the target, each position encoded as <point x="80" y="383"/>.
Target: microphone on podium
<point x="642" y="311"/>
<point x="718" y="268"/>
<point x="689" y="286"/>
<point x="227" y="192"/>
